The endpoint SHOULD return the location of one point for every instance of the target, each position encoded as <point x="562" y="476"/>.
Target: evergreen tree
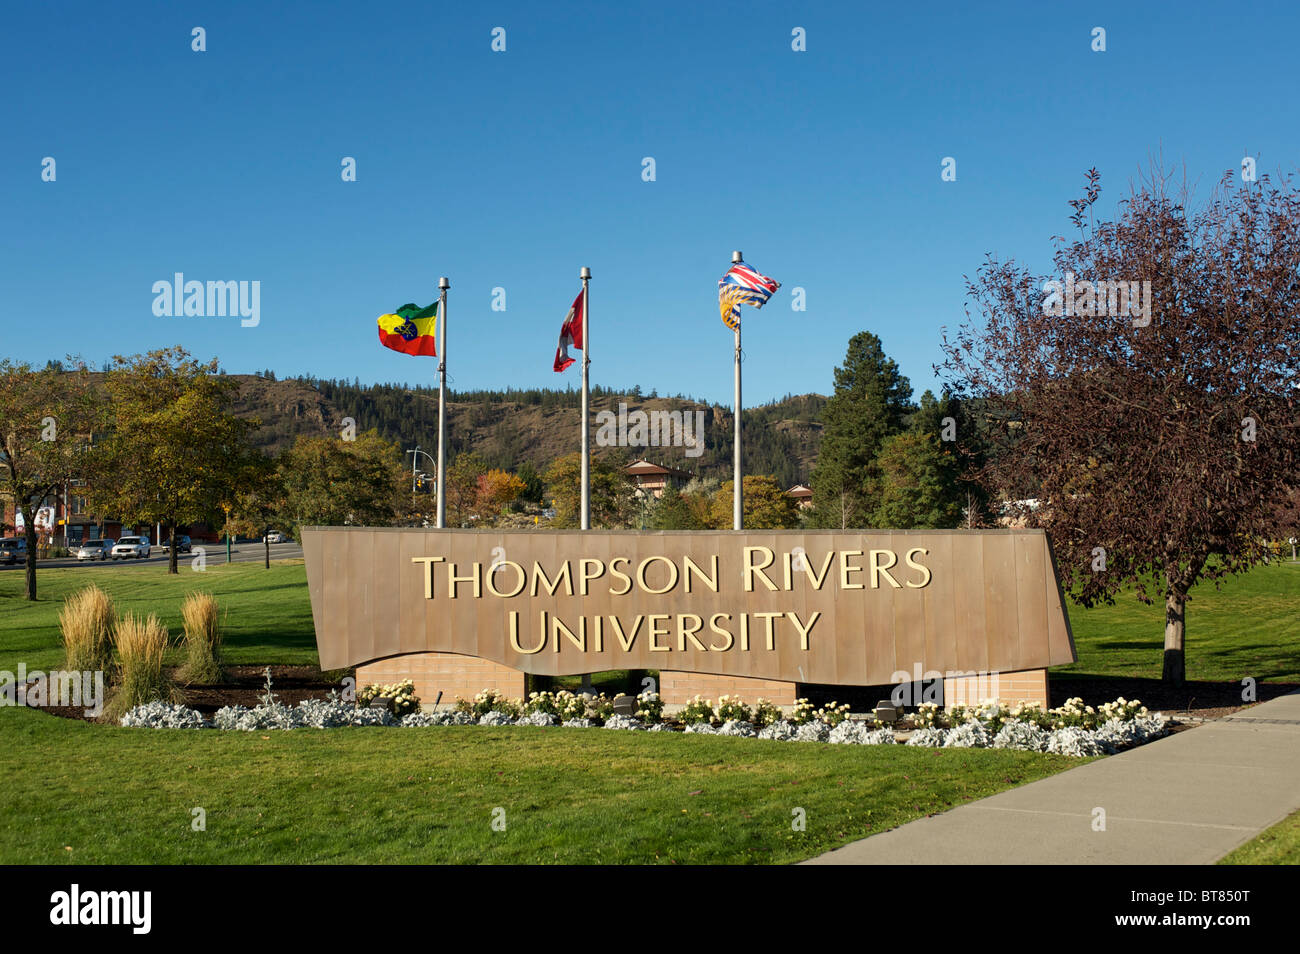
<point x="872" y="401"/>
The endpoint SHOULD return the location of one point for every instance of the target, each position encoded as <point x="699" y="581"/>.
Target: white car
<point x="275" y="536"/>
<point x="94" y="550"/>
<point x="128" y="547"/>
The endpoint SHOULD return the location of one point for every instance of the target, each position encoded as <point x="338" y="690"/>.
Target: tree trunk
<point x="171" y="550"/>
<point x="29" y="531"/>
<point x="1175" y="634"/>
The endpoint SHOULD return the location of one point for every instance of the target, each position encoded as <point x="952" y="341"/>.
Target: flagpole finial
<point x="585" y="272"/>
<point x="443" y="283"/>
<point x="736" y="258"/>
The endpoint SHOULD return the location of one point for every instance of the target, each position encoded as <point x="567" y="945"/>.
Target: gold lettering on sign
<point x="539" y="575"/>
<point x="710" y="581"/>
<point x="846" y="568"/>
<point x="585" y="575"/>
<point x="625" y="639"/>
<point x="475" y="577"/>
<point x="918" y="566"/>
<point x="513" y="616"/>
<point x="492" y="579"/>
<point x="752" y="569"/>
<point x="656" y="632"/>
<point x="878" y="570"/>
<point x="428" y="573"/>
<point x="713" y="625"/>
<point x="804" y="630"/>
<point x="645" y="564"/>
<point x="685" y="632"/>
<point x="771" y="628"/>
<point x="627" y="580"/>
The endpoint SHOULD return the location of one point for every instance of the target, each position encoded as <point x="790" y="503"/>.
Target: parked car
<point x="128" y="547"/>
<point x="183" y="546"/>
<point x="94" y="550"/>
<point x="275" y="536"/>
<point x="13" y="550"/>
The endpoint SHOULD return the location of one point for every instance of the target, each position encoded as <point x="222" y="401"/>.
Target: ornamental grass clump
<point x="202" y="640"/>
<point x="140" y="644"/>
<point x="86" y="623"/>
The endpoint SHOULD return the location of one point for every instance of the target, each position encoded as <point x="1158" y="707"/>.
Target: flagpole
<point x="737" y="495"/>
<point x="585" y="275"/>
<point x="443" y="285"/>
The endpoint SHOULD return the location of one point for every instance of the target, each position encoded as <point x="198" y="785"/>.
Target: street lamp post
<point x="226" y="508"/>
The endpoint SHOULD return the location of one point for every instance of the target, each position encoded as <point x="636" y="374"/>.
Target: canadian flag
<point x="570" y="334"/>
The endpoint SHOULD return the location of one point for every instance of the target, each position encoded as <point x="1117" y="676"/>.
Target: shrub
<point x="86" y="622"/>
<point x="650" y="708"/>
<point x="732" y="709"/>
<point x="402" y="694"/>
<point x="698" y="710"/>
<point x="832" y="715"/>
<point x="489" y="700"/>
<point x="598" y="707"/>
<point x="202" y="639"/>
<point x="140" y="645"/>
<point x="928" y="715"/>
<point x="803" y="712"/>
<point x="766" y="713"/>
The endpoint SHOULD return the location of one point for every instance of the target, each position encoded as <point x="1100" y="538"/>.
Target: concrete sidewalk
<point x="1189" y="798"/>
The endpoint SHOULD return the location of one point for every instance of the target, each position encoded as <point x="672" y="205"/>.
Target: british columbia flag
<point x="742" y="286"/>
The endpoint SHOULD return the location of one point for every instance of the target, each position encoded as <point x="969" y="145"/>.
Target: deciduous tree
<point x="1157" y="436"/>
<point x="46" y="420"/>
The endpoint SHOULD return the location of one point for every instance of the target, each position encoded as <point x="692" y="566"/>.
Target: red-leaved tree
<point x="1156" y="425"/>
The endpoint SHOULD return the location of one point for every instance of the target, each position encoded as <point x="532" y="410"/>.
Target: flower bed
<point x="1072" y="729"/>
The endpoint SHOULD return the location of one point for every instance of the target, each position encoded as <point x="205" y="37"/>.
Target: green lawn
<point x="78" y="793"/>
<point x="1250" y="626"/>
<point x="267" y="612"/>
<point x="1279" y="845"/>
<point x="82" y="793"/>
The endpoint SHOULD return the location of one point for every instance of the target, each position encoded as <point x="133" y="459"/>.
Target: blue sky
<point x="513" y="169"/>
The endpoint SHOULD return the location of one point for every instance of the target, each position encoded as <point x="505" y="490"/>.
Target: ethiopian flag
<point x="410" y="330"/>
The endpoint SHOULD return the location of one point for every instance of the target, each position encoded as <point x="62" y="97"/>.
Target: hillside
<point x="510" y="427"/>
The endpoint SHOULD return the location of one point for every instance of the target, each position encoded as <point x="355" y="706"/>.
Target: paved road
<point x="216" y="554"/>
<point x="1189" y="798"/>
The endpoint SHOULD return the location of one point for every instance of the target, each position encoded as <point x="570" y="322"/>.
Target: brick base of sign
<point x="1027" y="685"/>
<point x="678" y="688"/>
<point x="449" y="673"/>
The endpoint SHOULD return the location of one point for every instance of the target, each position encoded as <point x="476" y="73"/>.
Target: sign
<point x="798" y="606"/>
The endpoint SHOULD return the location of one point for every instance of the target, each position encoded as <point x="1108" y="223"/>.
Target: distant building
<point x="802" y="495"/>
<point x="652" y="479"/>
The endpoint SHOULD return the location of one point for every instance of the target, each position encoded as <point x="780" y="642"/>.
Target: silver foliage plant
<point x="163" y="715"/>
<point x="626" y="723"/>
<point x="1023" y="736"/>
<point x="1076" y="742"/>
